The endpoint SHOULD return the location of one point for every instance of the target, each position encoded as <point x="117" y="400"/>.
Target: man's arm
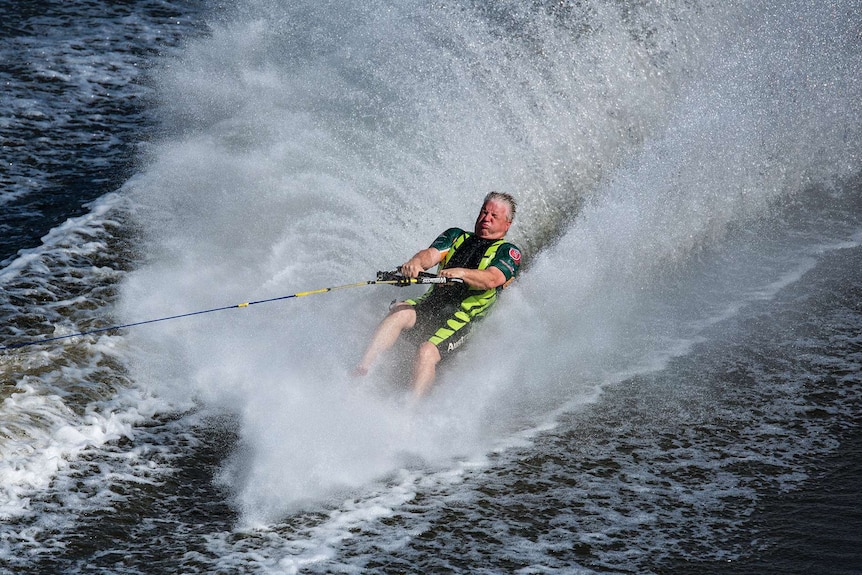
<point x="423" y="260"/>
<point x="479" y="279"/>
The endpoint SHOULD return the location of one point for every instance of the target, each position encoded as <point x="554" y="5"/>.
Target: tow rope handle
<point x="398" y="279"/>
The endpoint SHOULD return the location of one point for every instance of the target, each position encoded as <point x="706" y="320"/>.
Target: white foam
<point x="42" y="435"/>
<point x="67" y="239"/>
<point x="65" y="399"/>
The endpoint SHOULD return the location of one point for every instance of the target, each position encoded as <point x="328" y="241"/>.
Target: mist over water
<point x="311" y="145"/>
<point x="761" y="120"/>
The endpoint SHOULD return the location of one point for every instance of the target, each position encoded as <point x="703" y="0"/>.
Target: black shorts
<point x="437" y="324"/>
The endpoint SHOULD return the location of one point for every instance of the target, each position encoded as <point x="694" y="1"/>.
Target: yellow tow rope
<point x="382" y="278"/>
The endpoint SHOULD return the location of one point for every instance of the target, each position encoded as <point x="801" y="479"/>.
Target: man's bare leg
<point x="402" y="317"/>
<point x="425" y="368"/>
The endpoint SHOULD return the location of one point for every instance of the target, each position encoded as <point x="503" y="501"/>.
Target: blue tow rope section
<point x="390" y="278"/>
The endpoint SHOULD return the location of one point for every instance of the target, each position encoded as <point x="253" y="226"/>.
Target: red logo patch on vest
<point x="515" y="255"/>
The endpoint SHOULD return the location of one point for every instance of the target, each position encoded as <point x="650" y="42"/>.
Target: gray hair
<point x="503" y="199"/>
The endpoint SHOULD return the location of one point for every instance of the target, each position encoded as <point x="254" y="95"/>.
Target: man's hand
<point x="412" y="268"/>
<point x="427" y="258"/>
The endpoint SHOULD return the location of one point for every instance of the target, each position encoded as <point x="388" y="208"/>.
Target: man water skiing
<point x="440" y="320"/>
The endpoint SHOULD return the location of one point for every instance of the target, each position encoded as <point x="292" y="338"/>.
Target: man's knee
<point x="404" y="316"/>
<point x="428" y="353"/>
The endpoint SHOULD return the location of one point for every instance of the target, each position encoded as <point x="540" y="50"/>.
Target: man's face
<point x="493" y="221"/>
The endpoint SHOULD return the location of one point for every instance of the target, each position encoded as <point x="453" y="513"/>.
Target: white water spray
<point x="321" y="143"/>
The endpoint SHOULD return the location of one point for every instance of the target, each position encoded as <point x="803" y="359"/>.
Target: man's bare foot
<point x="359" y="371"/>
